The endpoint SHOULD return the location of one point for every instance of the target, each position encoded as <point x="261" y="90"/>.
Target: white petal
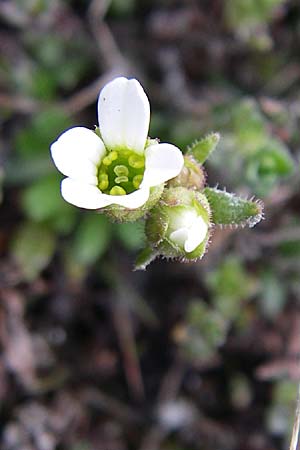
<point x="185" y="219"/>
<point x="81" y="194"/>
<point x="179" y="236"/>
<point x="90" y="197"/>
<point x="131" y="201"/>
<point x="77" y="152"/>
<point x="196" y="234"/>
<point x="163" y="162"/>
<point x="124" y="115"/>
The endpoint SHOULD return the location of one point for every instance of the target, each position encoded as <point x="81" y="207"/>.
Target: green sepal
<point x="201" y="149"/>
<point x="156" y="228"/>
<point x="120" y="214"/>
<point x="145" y="257"/>
<point x="229" y="209"/>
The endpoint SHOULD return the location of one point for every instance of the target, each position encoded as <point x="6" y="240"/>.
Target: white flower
<point x="187" y="229"/>
<point x="118" y="168"/>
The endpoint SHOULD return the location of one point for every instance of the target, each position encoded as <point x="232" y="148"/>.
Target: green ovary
<point x="121" y="172"/>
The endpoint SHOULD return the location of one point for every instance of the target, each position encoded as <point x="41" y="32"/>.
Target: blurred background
<point x="202" y="356"/>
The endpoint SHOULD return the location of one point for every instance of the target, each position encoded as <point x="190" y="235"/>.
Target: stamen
<point x="122" y="179"/>
<point x="106" y="161"/>
<point x="118" y="168"/>
<point x="136" y="181"/>
<point x="113" y="155"/>
<point x="117" y="190"/>
<point x="121" y="170"/>
<point x="136" y="161"/>
<point x="103" y="181"/>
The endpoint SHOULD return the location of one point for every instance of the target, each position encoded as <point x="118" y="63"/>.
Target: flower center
<point x="121" y="172"/>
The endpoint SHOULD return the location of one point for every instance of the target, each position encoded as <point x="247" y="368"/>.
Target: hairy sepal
<point x="203" y="148"/>
<point x="228" y="209"/>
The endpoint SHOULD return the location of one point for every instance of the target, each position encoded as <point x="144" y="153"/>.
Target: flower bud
<point x="192" y="175"/>
<point x="179" y="224"/>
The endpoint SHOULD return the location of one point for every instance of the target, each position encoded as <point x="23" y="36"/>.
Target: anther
<point x="113" y="155"/>
<point x="136" y="161"/>
<point x="117" y="190"/>
<point x="103" y="181"/>
<point x="136" y="181"/>
<point x="121" y="179"/>
<point x="106" y="161"/>
<point x="121" y="170"/>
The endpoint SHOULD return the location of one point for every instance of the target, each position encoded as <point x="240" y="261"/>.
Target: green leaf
<point x="201" y="150"/>
<point x="131" y="235"/>
<point x="229" y="209"/>
<point x="273" y="295"/>
<point x="241" y="14"/>
<point x="121" y="8"/>
<point x="22" y="170"/>
<point x="231" y="285"/>
<point x="34" y="139"/>
<point x="44" y="87"/>
<point x="32" y="248"/>
<point x="272" y="159"/>
<point x="146" y="256"/>
<point x="42" y="202"/>
<point x="92" y="239"/>
<point x="266" y="166"/>
<point x="248" y="126"/>
<point x="205" y="332"/>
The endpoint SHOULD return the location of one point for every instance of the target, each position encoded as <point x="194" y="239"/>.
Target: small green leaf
<point x="231" y="285"/>
<point x="131" y="235"/>
<point x="241" y="14"/>
<point x="32" y="248"/>
<point x="229" y="209"/>
<point x="120" y="8"/>
<point x="201" y="150"/>
<point x="206" y="330"/>
<point x="91" y="240"/>
<point x="44" y="87"/>
<point x="146" y="256"/>
<point x="273" y="294"/>
<point x="34" y="139"/>
<point x="42" y="202"/>
<point x="28" y="169"/>
<point x="265" y="168"/>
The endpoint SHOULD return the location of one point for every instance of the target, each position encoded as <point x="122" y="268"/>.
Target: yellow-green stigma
<point x="121" y="172"/>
